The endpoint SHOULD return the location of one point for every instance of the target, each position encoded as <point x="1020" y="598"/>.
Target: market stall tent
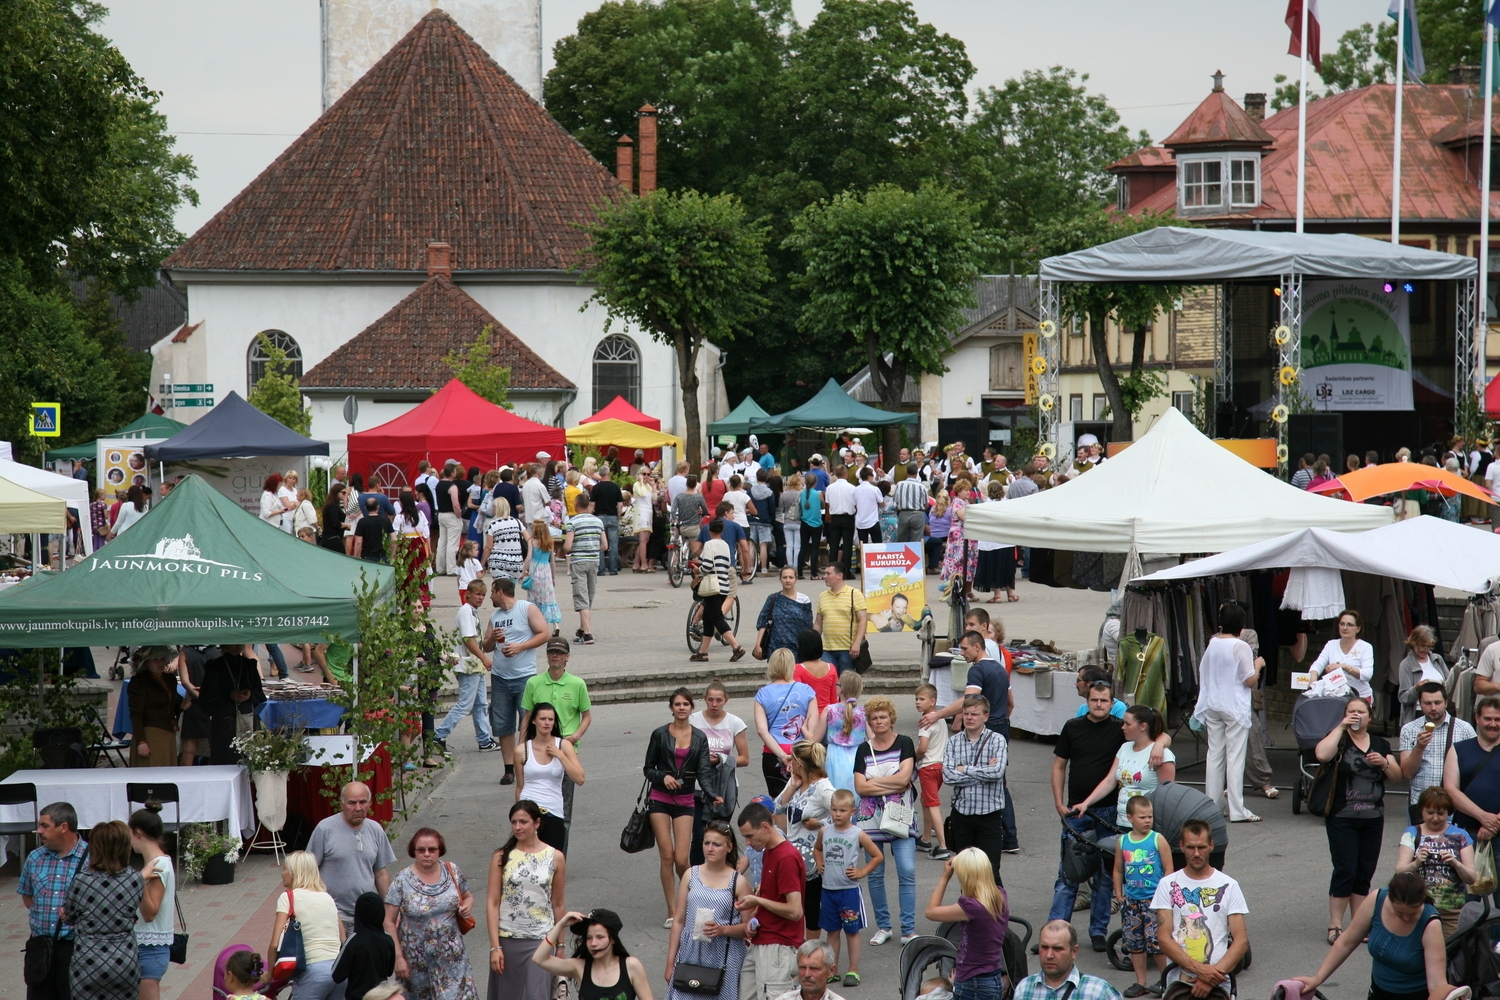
<point x="233" y="429"/>
<point x="622" y="435"/>
<point x="1172" y="491"/>
<point x="619" y="409"/>
<point x="73" y="492"/>
<point x="24" y="511"/>
<point x="832" y="409"/>
<point x="455" y="422"/>
<point x="736" y="423"/>
<point x="152" y="425"/>
<point x="1421" y="549"/>
<point x="195" y="569"/>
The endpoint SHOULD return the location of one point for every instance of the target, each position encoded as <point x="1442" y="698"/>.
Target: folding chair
<point x="60" y="747"/>
<point x="164" y="792"/>
<point x="16" y="794"/>
<point x="107" y="745"/>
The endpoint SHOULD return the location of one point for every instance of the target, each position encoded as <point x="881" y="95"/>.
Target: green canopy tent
<point x="196" y="569"/>
<point x="832" y="409"/>
<point x="736" y="423"/>
<point x="152" y="425"/>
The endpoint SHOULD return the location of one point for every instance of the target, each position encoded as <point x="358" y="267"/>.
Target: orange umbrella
<point x="1398" y="477"/>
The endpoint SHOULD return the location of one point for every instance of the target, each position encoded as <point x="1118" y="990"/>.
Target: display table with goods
<point x="314" y="796"/>
<point x="299" y="706"/>
<point x="210" y="794"/>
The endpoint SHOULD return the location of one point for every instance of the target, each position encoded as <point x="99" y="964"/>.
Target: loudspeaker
<point x="1318" y="433"/>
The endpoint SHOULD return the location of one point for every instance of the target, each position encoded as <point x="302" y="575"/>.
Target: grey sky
<point x="240" y="79"/>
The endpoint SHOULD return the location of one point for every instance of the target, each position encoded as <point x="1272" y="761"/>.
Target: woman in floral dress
<point x="101" y="905"/>
<point x="539" y="569"/>
<point x="527" y="878"/>
<point x="422" y="909"/>
<point x="955" y="557"/>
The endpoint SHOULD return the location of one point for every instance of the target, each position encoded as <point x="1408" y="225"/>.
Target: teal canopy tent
<point x="736" y="423"/>
<point x="152" y="425"/>
<point x="832" y="409"/>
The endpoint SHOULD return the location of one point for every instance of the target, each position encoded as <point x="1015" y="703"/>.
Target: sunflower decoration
<point x="1048" y="450"/>
<point x="1280" y="414"/>
<point x="1282" y="334"/>
<point x="1288" y="375"/>
<point x="1281" y="454"/>
<point x="1047" y="328"/>
<point x="1039" y="364"/>
<point x="1046" y="402"/>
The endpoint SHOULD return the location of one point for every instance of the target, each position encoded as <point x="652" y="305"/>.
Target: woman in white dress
<point x="1350" y="652"/>
<point x="287" y="494"/>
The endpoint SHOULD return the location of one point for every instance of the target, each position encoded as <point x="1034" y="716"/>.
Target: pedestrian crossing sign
<point x="46" y="420"/>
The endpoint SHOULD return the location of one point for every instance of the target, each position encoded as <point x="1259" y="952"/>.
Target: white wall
<point x="966" y="381"/>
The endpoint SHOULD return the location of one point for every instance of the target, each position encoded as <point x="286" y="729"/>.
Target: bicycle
<point x="677" y="557"/>
<point x="695" y="622"/>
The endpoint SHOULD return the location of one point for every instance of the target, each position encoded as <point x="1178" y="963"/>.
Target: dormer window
<point x="1122" y="192"/>
<point x="1244" y="187"/>
<point x="1202" y="184"/>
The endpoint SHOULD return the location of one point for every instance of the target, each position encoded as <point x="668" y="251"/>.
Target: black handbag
<point x="862" y="660"/>
<point x="637" y="835"/>
<point x="703" y="980"/>
<point x="177" y="951"/>
<point x="40" y="948"/>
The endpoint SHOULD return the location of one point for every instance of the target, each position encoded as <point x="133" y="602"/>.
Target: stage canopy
<point x="832" y="409"/>
<point x="1172" y="491"/>
<point x="74" y="492"/>
<point x="458" y="423"/>
<point x="1421" y="549"/>
<point x="152" y="425"/>
<point x="195" y="569"/>
<point x="26" y="512"/>
<point x="604" y="433"/>
<point x="233" y="429"/>
<point x="736" y="423"/>
<point x="1190" y="256"/>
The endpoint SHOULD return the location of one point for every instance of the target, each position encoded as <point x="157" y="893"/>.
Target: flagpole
<point x="1302" y="122"/>
<point x="1400" y="91"/>
<point x="1483" y="308"/>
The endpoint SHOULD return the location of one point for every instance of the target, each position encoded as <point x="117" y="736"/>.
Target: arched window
<point x="255" y="358"/>
<point x="617" y="371"/>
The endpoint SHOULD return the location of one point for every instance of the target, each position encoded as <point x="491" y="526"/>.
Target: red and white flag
<point x="1314" y="33"/>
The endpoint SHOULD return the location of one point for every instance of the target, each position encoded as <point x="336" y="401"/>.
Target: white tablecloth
<point x="334" y="751"/>
<point x="1044" y="716"/>
<point x="209" y="794"/>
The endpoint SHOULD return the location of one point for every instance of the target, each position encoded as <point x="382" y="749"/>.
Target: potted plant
<point x="271" y="754"/>
<point x="209" y="855"/>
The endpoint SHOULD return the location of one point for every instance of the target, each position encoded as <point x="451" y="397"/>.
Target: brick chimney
<point x="625" y="162"/>
<point x="1255" y="107"/>
<point x="647" y="127"/>
<point x="1471" y="76"/>
<point x="439" y="260"/>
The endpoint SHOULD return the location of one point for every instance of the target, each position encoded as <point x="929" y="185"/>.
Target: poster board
<point x="894" y="579"/>
<point x="121" y="463"/>
<point x="1356" y="346"/>
<point x="240" y="479"/>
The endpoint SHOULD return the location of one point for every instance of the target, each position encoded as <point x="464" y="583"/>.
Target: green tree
<point x="891" y="271"/>
<point x="685" y="267"/>
<point x="95" y="315"/>
<point x="1132" y="306"/>
<point x="277" y="393"/>
<point x="1037" y="148"/>
<point x="474" y="368"/>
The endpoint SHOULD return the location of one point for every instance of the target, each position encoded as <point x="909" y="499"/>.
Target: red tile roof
<point x="1349" y="144"/>
<point x="435" y="143"/>
<point x="1218" y="122"/>
<point x="404" y="348"/>
<point x="1146" y="158"/>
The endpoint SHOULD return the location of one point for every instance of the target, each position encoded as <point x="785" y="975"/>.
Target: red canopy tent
<point x="620" y="409"/>
<point x="1492" y="397"/>
<point x="456" y="422"/>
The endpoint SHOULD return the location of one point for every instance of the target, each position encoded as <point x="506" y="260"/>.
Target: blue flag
<point x="1416" y="63"/>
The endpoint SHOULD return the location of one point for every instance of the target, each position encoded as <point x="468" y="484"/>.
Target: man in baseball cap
<point x="569" y="695"/>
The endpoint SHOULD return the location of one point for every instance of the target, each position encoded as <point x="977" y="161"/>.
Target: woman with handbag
<point x="526" y="885"/>
<point x="153" y="925"/>
<point x="101" y="906"/>
<point x="428" y="910"/>
<point x="784" y="616"/>
<point x="883" y="769"/>
<point x="804" y="806"/>
<point x="784" y="710"/>
<point x="713" y="586"/>
<point x="1355" y="818"/>
<point x="320" y="933"/>
<point x="679" y="772"/>
<point x="709" y="967"/>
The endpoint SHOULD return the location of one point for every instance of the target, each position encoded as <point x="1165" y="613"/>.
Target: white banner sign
<point x="1356" y="346"/>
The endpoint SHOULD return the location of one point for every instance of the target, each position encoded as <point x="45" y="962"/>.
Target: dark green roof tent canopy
<point x="736" y="423"/>
<point x="832" y="409"/>
<point x="196" y="569"/>
<point x="152" y="425"/>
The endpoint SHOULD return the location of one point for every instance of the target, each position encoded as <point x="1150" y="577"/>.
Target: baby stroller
<point x="941" y="950"/>
<point x="1312" y="719"/>
<point x="1472" y="961"/>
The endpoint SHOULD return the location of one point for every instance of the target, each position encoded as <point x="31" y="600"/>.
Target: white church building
<point x="434" y="197"/>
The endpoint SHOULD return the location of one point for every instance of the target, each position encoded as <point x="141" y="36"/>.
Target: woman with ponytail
<point x="153" y="925"/>
<point x="527" y="879"/>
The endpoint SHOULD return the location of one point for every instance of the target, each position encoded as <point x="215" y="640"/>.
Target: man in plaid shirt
<point x="1425" y="741"/>
<point x="45" y="877"/>
<point x="910" y="498"/>
<point x="974" y="764"/>
<point x="1057" y="954"/>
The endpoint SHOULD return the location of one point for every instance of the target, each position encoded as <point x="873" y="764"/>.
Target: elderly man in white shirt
<point x="838" y="525"/>
<point x="534" y="495"/>
<point x="867" y="507"/>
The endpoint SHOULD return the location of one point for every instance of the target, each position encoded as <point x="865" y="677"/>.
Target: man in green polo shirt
<point x="569" y="695"/>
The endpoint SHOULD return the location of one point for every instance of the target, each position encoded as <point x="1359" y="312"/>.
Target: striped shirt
<point x="586" y="530"/>
<point x="910" y="494"/>
<point x="714" y="558"/>
<point x="980" y="787"/>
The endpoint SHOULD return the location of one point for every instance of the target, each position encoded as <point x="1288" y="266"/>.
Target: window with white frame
<point x="1244" y="186"/>
<point x="1183" y="401"/>
<point x="1122" y="192"/>
<point x="1202" y="183"/>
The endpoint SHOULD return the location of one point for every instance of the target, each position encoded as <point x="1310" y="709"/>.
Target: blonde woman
<point x="784" y="708"/>
<point x="590" y="473"/>
<point x="305" y="515"/>
<point x="883" y="768"/>
<point x="322" y="930"/>
<point x="790" y="519"/>
<point x="287" y="495"/>
<point x="571" y="490"/>
<point x="939" y="521"/>
<point x="985" y="914"/>
<point x="642" y="493"/>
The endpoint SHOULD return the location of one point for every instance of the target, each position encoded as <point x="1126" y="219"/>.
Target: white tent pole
<point x="1302" y="123"/>
<point x="1400" y="92"/>
<point x="1483" y="305"/>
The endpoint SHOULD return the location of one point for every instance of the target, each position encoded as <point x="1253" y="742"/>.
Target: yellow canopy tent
<point x="25" y="511"/>
<point x="602" y="433"/>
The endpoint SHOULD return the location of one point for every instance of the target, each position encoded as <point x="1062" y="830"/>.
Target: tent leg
<point x="1289" y="389"/>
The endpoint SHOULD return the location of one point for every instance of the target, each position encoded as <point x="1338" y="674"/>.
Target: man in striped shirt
<point x="584" y="532"/>
<point x="910" y="496"/>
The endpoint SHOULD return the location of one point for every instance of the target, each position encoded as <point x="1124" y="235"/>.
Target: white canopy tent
<point x="74" y="491"/>
<point x="1421" y="549"/>
<point x="1173" y="491"/>
<point x="24" y="511"/>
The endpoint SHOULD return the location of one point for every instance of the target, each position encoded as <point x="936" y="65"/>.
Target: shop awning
<point x="195" y="569"/>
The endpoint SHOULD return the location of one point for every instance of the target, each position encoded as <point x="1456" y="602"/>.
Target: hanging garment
<point x="1316" y="591"/>
<point x="1479" y="623"/>
<point x="1143" y="671"/>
